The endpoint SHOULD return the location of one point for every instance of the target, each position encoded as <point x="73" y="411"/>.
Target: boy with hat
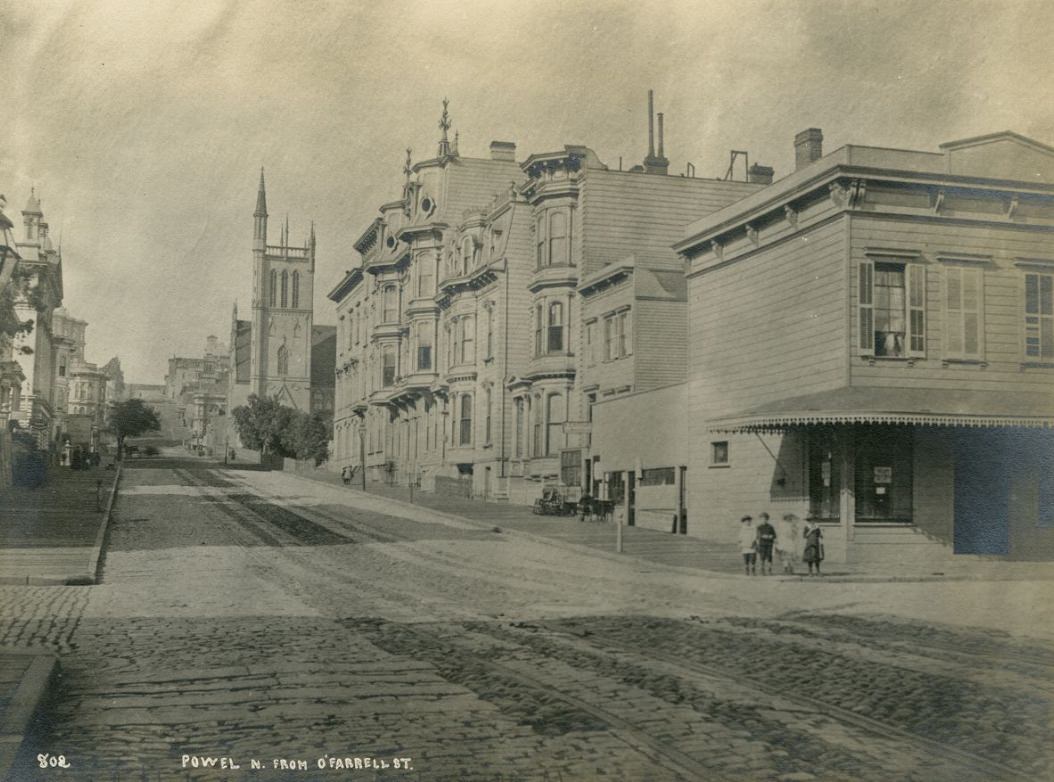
<point x="766" y="541"/>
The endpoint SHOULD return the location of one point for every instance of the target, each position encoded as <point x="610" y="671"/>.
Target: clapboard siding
<point x="718" y="497"/>
<point x="624" y="213"/>
<point x="769" y="325"/>
<point x="1003" y="289"/>
<point x="608" y="375"/>
<point x="660" y="342"/>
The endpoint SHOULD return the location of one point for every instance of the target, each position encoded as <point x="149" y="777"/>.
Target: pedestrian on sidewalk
<point x="748" y="544"/>
<point x="788" y="540"/>
<point x="345" y="474"/>
<point x="766" y="542"/>
<point x="814" y="553"/>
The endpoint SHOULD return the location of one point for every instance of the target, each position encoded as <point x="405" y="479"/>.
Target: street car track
<point x="968" y="760"/>
<point x="655" y="749"/>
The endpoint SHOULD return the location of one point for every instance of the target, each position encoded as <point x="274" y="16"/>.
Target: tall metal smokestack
<point x="651" y="126"/>
<point x="653" y="164"/>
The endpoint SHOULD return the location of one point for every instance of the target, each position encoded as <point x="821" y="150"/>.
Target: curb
<point x="534" y="537"/>
<point x="23" y="707"/>
<point x="842" y="578"/>
<point x="100" y="537"/>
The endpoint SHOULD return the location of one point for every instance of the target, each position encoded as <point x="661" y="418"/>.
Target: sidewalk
<point x="684" y="550"/>
<point x="54" y="534"/>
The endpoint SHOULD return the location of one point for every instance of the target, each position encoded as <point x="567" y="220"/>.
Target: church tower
<point x="282" y="312"/>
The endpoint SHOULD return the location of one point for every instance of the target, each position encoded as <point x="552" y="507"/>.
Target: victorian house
<point x="424" y="322"/>
<point x="489" y="313"/>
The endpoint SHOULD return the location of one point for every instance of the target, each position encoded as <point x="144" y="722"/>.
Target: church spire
<point x="260" y="216"/>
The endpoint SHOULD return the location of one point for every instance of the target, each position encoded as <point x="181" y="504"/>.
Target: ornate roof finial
<point x="444" y="125"/>
<point x="457" y="135"/>
<point x="407" y="168"/>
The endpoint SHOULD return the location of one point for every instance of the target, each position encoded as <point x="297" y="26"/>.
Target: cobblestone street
<point x="244" y="620"/>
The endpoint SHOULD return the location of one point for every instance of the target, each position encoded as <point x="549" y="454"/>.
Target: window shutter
<point x="972" y="313"/>
<point x="916" y="279"/>
<point x="866" y="307"/>
<point x="953" y="326"/>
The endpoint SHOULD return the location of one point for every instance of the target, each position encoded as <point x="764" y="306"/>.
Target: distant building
<point x="35" y="351"/>
<point x="68" y="335"/>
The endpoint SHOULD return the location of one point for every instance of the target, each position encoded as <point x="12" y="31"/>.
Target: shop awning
<point x="914" y="406"/>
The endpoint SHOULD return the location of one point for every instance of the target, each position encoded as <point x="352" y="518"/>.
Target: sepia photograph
<point x="541" y="390"/>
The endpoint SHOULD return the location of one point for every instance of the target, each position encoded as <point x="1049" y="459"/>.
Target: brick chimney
<point x="760" y="175"/>
<point x="503" y="150"/>
<point x="808" y="146"/>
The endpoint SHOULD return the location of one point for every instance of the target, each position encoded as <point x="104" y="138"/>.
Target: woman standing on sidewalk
<point x="813" y="545"/>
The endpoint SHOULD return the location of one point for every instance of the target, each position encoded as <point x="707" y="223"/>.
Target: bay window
<point x="556" y="415"/>
<point x="466" y="419"/>
<point x="558" y="253"/>
<point x="556" y="327"/>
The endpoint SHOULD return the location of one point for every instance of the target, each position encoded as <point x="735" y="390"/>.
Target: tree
<point x="132" y="418"/>
<point x="307" y="437"/>
<point x="261" y="424"/>
<point x="272" y="428"/>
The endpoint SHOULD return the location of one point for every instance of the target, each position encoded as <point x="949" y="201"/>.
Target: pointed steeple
<point x="260" y="217"/>
<point x="261" y="197"/>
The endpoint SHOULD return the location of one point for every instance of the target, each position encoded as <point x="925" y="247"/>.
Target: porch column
<point x="847" y="500"/>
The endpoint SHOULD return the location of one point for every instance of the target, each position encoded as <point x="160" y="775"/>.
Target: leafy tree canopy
<point x="132" y="418"/>
<point x="272" y="428"/>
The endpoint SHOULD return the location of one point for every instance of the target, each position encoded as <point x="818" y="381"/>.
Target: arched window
<point x="296" y="289"/>
<point x="466" y="419"/>
<point x="556" y="327"/>
<point x="274" y="287"/>
<point x="285" y="289"/>
<point x="558" y="239"/>
<point x="283" y="361"/>
<point x="388" y="368"/>
<point x="467" y="251"/>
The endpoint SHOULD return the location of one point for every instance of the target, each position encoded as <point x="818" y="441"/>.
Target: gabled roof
<point x="1003" y="135"/>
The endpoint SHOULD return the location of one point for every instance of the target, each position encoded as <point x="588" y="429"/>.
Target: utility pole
<point x="362" y="451"/>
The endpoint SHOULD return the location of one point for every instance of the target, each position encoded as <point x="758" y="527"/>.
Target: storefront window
<point x="883" y="458"/>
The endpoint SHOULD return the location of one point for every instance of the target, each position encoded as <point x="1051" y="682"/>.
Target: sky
<point x="143" y="124"/>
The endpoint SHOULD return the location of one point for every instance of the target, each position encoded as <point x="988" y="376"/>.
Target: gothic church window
<point x="283" y="361"/>
<point x="285" y="289"/>
<point x="274" y="287"/>
<point x="296" y="289"/>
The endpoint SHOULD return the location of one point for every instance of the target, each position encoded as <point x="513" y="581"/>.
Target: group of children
<point x="759" y="542"/>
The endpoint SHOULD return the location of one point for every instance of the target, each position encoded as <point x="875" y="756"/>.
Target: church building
<point x="279" y="352"/>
